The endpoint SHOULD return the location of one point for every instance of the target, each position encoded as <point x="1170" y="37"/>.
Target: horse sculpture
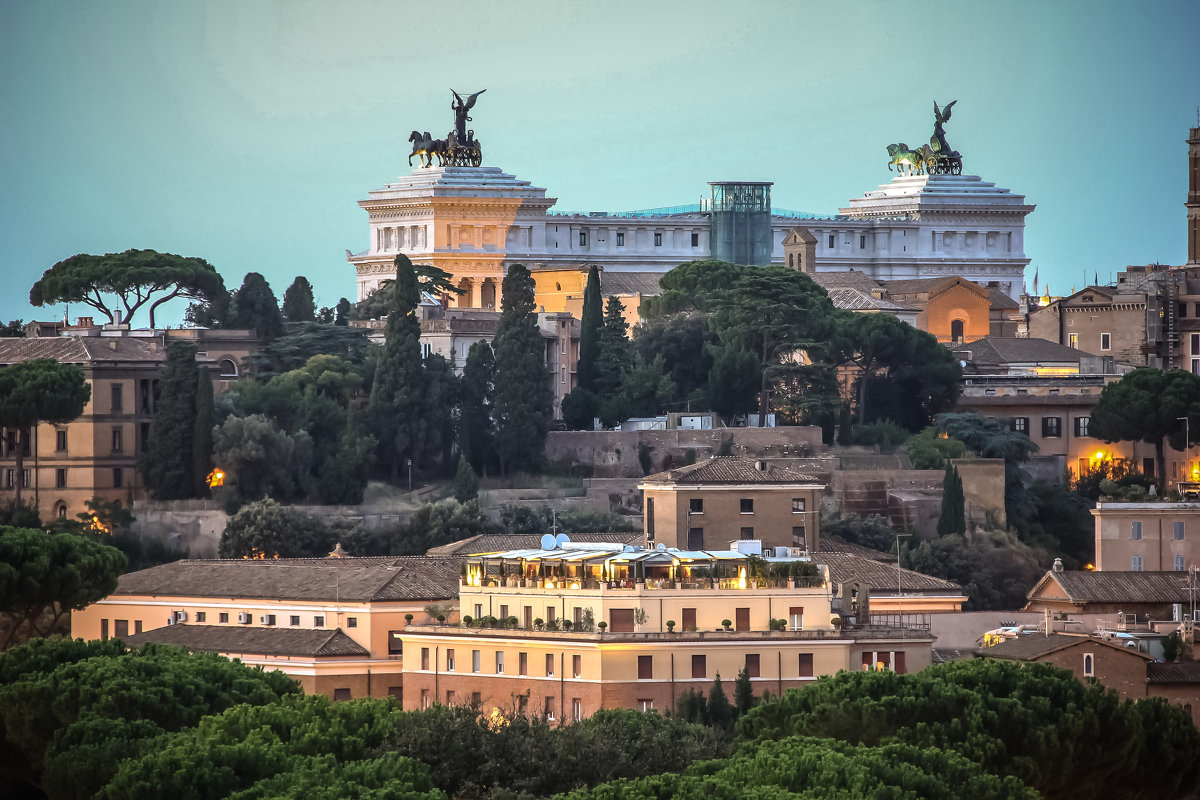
<point x="906" y="161"/>
<point x="428" y="148"/>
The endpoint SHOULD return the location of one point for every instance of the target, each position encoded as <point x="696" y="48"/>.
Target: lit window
<point x="1081" y="426"/>
<point x="1072" y="340"/>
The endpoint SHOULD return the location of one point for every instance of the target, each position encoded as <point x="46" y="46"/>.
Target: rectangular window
<point x="649" y="519"/>
<point x="1179" y="565"/>
<point x="395" y="644"/>
<point x="118" y="398"/>
<point x="577" y="666"/>
<point x="223" y="616"/>
<point x="1019" y="425"/>
<point x="746" y="505"/>
<point x="449" y="697"/>
<point x="60" y="478"/>
<point x="696" y="505"/>
<point x="620" y="238"/>
<point x="900" y="667"/>
<point x="549" y="665"/>
<point x="752" y="665"/>
<point x="104" y="630"/>
<point x="796" y="618"/>
<point x="118" y="478"/>
<point x="699" y="666"/>
<point x="548" y="708"/>
<point x="450" y="660"/>
<point x="294" y="620"/>
<point x="645" y="704"/>
<point x="583" y="238"/>
<point x="746" y="533"/>
<point x="503" y="613"/>
<point x="137" y="626"/>
<point x="862" y="243"/>
<point x="1137" y="530"/>
<point x="476" y="700"/>
<point x="529" y="617"/>
<point x="499" y="662"/>
<point x="830" y="243"/>
<point x="522" y="663"/>
<point x="117" y="440"/>
<point x="1135" y="564"/>
<point x="689" y="619"/>
<point x="658" y="240"/>
<point x="425" y="658"/>
<point x="1073" y="340"/>
<point x="550" y="614"/>
<point x="522" y="703"/>
<point x="201" y="616"/>
<point x="576" y="709"/>
<point x="1177" y="530"/>
<point x="798" y="538"/>
<point x="267" y="619"/>
<point x="120" y="628"/>
<point x="620" y="620"/>
<point x="424" y="699"/>
<point x="806" y="665"/>
<point x="60" y="441"/>
<point x="741" y="619"/>
<point x="351" y="622"/>
<point x="319" y="622"/>
<point x="1051" y="427"/>
<point x="695" y="240"/>
<point x="562" y="374"/>
<point x="1105" y="341"/>
<point x="645" y="668"/>
<point x="475" y="661"/>
<point x="1081" y="425"/>
<point x="797" y="505"/>
<point x="344" y="694"/>
<point x="1195" y="341"/>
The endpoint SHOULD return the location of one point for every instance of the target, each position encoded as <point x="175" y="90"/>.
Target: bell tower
<point x="1193" y="198"/>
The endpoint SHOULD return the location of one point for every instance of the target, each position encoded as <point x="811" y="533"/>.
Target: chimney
<point x="1058" y="565"/>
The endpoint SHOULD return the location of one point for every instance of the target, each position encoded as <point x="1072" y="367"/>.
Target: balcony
<point x="861" y="632"/>
<point x="513" y="585"/>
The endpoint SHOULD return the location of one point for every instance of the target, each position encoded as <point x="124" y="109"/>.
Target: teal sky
<point x="245" y="132"/>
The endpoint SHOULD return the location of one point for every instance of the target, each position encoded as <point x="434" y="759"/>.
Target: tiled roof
<point x="730" y="469"/>
<point x="1123" y="587"/>
<point x="845" y="279"/>
<point x="857" y="300"/>
<point x="1001" y="300"/>
<point x="644" y="283"/>
<point x="1173" y="672"/>
<point x="922" y="285"/>
<point x="836" y="544"/>
<point x="1006" y="350"/>
<point x="503" y="542"/>
<point x="254" y="640"/>
<point x="880" y="576"/>
<point x="328" y="579"/>
<point x="80" y="349"/>
<point x="1030" y="646"/>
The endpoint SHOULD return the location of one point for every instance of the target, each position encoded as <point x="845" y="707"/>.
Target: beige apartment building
<point x="709" y="504"/>
<point x="594" y="626"/>
<point x="331" y="623"/>
<point x="1151" y="537"/>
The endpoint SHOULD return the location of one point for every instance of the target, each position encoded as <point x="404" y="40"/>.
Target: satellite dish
<point x="561" y="539"/>
<point x="661" y="546"/>
<point x="548" y="541"/>
<point x="962" y="364"/>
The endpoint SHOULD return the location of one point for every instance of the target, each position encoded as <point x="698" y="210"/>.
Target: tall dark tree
<point x="953" y="518"/>
<point x="14" y="329"/>
<point x="397" y="396"/>
<point x="590" y="326"/>
<point x="1146" y="405"/>
<point x="614" y="364"/>
<point x="169" y="463"/>
<point x="202" y="437"/>
<point x="135" y="277"/>
<point x="342" y="313"/>
<point x="299" y="305"/>
<point x="524" y="399"/>
<point x="475" y="420"/>
<point x="40" y="390"/>
<point x="256" y="308"/>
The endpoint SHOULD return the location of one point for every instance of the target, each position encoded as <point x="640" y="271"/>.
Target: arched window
<point x="792" y="260"/>
<point x="60" y="510"/>
<point x="956" y="331"/>
<point x="228" y="369"/>
<point x="1089" y="665"/>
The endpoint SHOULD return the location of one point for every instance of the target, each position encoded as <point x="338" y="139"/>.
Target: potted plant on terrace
<point x="726" y="624"/>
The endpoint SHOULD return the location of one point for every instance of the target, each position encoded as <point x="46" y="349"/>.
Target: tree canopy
<point x="1147" y="405"/>
<point x="119" y="284"/>
<point x="39" y="390"/>
<point x="255" y="308"/>
<point x="299" y="305"/>
<point x="523" y="397"/>
<point x="43" y="576"/>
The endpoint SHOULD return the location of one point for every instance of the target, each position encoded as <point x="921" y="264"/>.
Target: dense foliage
<point x="523" y="399"/>
<point x="1148" y="405"/>
<point x="170" y="462"/>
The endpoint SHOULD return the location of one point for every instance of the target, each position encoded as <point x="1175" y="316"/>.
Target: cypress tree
<point x="720" y="712"/>
<point x="169" y="463"/>
<point x="398" y="392"/>
<point x="743" y="692"/>
<point x="591" y="322"/>
<point x="523" y="399"/>
<point x="202" y="437"/>
<point x="342" y="313"/>
<point x="475" y="424"/>
<point x="298" y="302"/>
<point x="466" y="485"/>
<point x="616" y="359"/>
<point x="953" y="519"/>
<point x="255" y="307"/>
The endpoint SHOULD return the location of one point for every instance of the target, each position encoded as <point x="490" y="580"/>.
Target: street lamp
<point x="1187" y="441"/>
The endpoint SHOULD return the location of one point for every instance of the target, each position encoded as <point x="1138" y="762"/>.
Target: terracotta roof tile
<point x="882" y="577"/>
<point x="502" y="542"/>
<point x="730" y="469"/>
<point x="80" y="349"/>
<point x="349" y="579"/>
<point x="1173" y="672"/>
<point x="254" y="640"/>
<point x="1030" y="646"/>
<point x="1123" y="587"/>
<point x="1005" y="350"/>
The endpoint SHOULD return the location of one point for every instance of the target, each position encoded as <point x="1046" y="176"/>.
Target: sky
<point x="246" y="132"/>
